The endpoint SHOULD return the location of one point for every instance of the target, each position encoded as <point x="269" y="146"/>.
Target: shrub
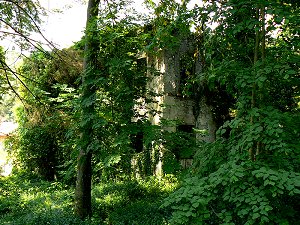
<point x="226" y="187"/>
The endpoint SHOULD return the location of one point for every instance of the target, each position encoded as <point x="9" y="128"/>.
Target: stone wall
<point x="168" y="103"/>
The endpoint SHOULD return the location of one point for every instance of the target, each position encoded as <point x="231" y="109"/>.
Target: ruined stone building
<point x="169" y="103"/>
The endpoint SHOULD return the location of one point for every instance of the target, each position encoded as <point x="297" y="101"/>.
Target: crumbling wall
<point x="167" y="102"/>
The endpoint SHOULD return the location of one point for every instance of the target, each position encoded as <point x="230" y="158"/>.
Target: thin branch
<point x="23" y="36"/>
<point x="6" y="67"/>
<point x="30" y="40"/>
<point x="8" y="81"/>
<point x="20" y="35"/>
<point x="34" y="23"/>
<point x="113" y="18"/>
<point x="263" y="34"/>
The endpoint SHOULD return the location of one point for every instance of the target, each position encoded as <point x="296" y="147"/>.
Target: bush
<point x="226" y="187"/>
<point x="53" y="217"/>
<point x="243" y="193"/>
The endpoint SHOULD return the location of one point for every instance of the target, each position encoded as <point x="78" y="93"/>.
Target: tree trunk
<point x="84" y="168"/>
<point x="260" y="44"/>
<point x="254" y="91"/>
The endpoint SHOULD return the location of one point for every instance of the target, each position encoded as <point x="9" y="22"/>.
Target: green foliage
<point x="19" y="19"/>
<point x="245" y="193"/>
<point x="40" y="145"/>
<point x="171" y="23"/>
<point x="250" y="174"/>
<point x="181" y="143"/>
<point x="6" y="83"/>
<point x="3" y="84"/>
<point x="38" y="151"/>
<point x="7" y="102"/>
<point x="120" y="84"/>
<point x="25" y="201"/>
<point x="226" y="187"/>
<point x="33" y="201"/>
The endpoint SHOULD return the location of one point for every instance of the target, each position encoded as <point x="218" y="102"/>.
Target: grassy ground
<point x="29" y="202"/>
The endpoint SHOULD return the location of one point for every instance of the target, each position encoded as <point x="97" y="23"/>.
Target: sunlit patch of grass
<point x="112" y="199"/>
<point x="133" y="201"/>
<point x="24" y="201"/>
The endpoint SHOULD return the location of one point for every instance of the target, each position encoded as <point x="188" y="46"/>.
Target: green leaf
<point x="195" y="205"/>
<point x="255" y="216"/>
<point x="296" y="191"/>
<point x="268" y="208"/>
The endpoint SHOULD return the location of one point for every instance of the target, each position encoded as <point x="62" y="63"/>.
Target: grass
<point x="35" y="202"/>
<point x="26" y="202"/>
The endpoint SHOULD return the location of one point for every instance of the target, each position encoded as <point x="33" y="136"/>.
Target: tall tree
<point x="88" y="97"/>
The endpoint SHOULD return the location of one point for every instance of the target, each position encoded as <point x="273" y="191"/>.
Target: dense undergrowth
<point x="34" y="202"/>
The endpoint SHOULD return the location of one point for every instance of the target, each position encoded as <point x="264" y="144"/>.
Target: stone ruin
<point x="169" y="103"/>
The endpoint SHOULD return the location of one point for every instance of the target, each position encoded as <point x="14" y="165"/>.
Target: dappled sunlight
<point x="51" y="202"/>
<point x="112" y="199"/>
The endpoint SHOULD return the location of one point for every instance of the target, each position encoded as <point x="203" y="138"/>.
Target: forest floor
<point x="34" y="202"/>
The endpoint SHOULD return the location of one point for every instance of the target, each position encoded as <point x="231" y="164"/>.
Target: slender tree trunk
<point x="84" y="168"/>
<point x="263" y="57"/>
<point x="263" y="34"/>
<point x="254" y="88"/>
<point x="260" y="44"/>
